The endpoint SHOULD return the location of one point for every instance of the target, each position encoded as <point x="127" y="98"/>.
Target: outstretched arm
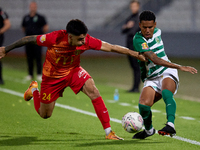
<point x="158" y="61"/>
<point x="23" y="41"/>
<point x="122" y="50"/>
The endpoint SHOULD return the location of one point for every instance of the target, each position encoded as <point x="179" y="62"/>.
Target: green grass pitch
<point x="21" y="128"/>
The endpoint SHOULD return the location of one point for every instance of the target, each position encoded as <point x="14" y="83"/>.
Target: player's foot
<point x="113" y="136"/>
<point x="143" y="134"/>
<point x="167" y="130"/>
<point x="28" y="93"/>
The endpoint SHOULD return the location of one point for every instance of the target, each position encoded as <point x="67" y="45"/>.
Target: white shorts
<point x="156" y="83"/>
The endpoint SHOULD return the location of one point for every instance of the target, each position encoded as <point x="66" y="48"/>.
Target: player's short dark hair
<point x="76" y="27"/>
<point x="147" y="15"/>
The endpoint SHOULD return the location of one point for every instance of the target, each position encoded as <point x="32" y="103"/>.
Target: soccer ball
<point x="132" y="122"/>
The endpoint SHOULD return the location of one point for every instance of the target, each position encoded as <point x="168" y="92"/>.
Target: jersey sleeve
<point x="47" y="39"/>
<point x="94" y="43"/>
<point x="139" y="44"/>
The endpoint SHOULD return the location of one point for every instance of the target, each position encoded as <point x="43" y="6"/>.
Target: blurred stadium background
<point x="178" y="19"/>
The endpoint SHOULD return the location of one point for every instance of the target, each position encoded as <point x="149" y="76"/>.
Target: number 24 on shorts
<point x="46" y="97"/>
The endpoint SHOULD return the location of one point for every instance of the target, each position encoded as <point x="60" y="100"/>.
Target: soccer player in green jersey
<point x="159" y="75"/>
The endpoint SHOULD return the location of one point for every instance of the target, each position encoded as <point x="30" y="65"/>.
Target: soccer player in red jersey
<point x="62" y="69"/>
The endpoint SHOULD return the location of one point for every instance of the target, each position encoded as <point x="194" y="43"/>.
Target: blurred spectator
<point x="130" y="27"/>
<point x="4" y="26"/>
<point x="34" y="24"/>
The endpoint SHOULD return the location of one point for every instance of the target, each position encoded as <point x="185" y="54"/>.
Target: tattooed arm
<point x="23" y="41"/>
<point x="158" y="61"/>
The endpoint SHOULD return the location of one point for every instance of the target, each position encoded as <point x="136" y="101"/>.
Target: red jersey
<point x="61" y="57"/>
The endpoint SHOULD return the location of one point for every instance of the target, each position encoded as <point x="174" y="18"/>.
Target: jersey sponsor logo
<point x="65" y="60"/>
<point x="43" y="38"/>
<point x="145" y="46"/>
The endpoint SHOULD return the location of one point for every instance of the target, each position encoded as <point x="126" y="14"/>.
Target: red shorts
<point x="52" y="88"/>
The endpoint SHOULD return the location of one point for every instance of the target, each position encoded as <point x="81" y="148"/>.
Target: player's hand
<point x="2" y="52"/>
<point x="188" y="69"/>
<point x="141" y="57"/>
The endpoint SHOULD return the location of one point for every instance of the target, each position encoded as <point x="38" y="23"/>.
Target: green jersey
<point x="155" y="44"/>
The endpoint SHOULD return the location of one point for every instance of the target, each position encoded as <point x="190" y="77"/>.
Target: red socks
<point x="98" y="104"/>
<point x="36" y="99"/>
<point x="101" y="112"/>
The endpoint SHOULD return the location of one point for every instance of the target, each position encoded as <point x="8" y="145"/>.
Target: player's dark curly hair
<point x="76" y="27"/>
<point x="147" y="16"/>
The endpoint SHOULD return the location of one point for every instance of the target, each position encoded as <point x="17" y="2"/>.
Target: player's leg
<point x="44" y="110"/>
<point x="51" y="90"/>
<point x="90" y="89"/>
<point x="92" y="92"/>
<point x="158" y="97"/>
<point x="145" y="102"/>
<point x="168" y="88"/>
<point x="82" y="81"/>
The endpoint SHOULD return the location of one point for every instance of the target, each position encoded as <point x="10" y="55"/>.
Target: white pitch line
<point x="153" y="110"/>
<point x="124" y="104"/>
<point x="11" y="92"/>
<point x="93" y="114"/>
<point x="187" y="118"/>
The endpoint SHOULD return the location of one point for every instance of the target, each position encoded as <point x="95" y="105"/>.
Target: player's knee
<point x="142" y="102"/>
<point x="90" y="89"/>
<point x="145" y="102"/>
<point x="45" y="115"/>
<point x="94" y="93"/>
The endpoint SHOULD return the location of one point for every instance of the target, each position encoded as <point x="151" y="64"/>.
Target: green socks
<point x="170" y="105"/>
<point x="146" y="114"/>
